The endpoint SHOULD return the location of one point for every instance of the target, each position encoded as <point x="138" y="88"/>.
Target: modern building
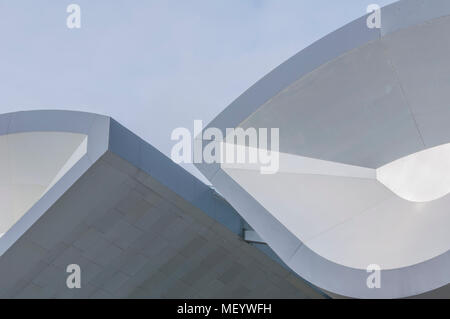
<point x="80" y="189"/>
<point x="357" y="206"/>
<point x="363" y="181"/>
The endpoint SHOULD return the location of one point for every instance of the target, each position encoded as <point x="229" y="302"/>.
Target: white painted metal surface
<point x="30" y="164"/>
<point x="372" y="100"/>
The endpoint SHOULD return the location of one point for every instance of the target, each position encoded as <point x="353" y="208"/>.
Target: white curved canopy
<point x="365" y="122"/>
<point x="364" y="157"/>
<point x="343" y="213"/>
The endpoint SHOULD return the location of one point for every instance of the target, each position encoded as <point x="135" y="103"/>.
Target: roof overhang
<point x="349" y="104"/>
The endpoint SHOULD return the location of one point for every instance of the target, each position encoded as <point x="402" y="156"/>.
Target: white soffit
<point x="381" y="109"/>
<point x="346" y="215"/>
<point x="30" y="164"/>
<point x="371" y="100"/>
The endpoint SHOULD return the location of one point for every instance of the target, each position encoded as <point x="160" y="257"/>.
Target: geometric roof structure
<point x="79" y="188"/>
<point x="363" y="173"/>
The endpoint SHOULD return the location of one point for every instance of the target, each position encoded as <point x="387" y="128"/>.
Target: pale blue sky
<point x="153" y="65"/>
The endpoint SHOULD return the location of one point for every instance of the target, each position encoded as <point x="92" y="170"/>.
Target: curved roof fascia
<point x="324" y="273"/>
<point x="95" y="127"/>
<point x="400" y="282"/>
<point x="397" y="16"/>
